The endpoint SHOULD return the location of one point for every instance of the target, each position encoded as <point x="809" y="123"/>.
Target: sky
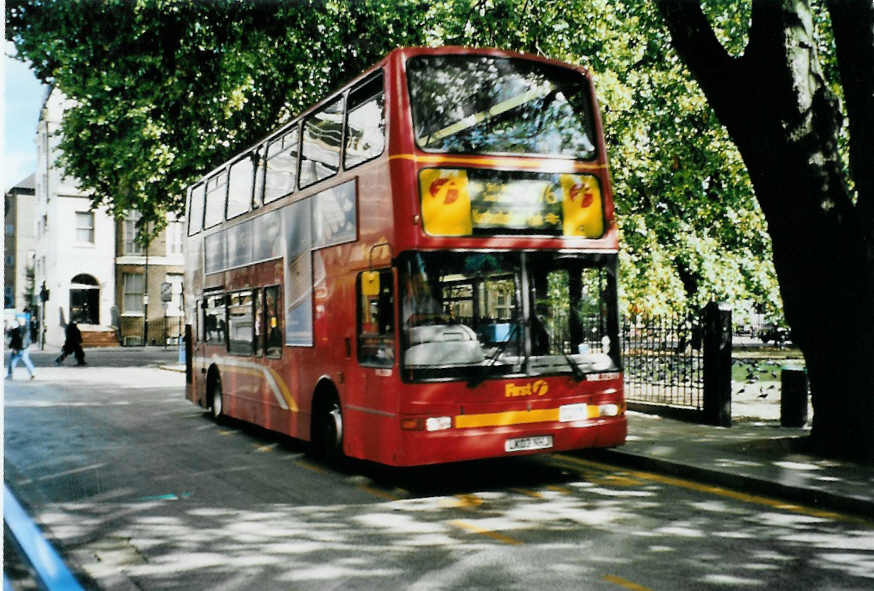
<point x="22" y="98"/>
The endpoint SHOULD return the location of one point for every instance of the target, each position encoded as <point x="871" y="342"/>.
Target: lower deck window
<point x="241" y="323"/>
<point x="376" y="318"/>
<point x="272" y="326"/>
<point x="214" y="318"/>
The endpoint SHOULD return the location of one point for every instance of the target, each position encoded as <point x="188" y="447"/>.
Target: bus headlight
<point x="573" y="412"/>
<point x="608" y="410"/>
<point x="438" y="423"/>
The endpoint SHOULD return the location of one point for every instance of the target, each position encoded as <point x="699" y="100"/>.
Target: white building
<point x="75" y="247"/>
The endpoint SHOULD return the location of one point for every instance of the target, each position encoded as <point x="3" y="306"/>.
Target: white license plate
<point x="526" y="443"/>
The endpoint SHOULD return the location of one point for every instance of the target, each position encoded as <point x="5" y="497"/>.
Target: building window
<point x="85" y="226"/>
<point x="133" y="286"/>
<point x="174" y="306"/>
<point x="85" y="300"/>
<point x="131" y="246"/>
<point x="10" y="229"/>
<point x="174" y="237"/>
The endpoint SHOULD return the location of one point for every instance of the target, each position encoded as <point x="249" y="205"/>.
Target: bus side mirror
<point x="370" y="283"/>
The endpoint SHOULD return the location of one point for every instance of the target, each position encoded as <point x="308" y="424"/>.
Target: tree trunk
<point x="781" y="114"/>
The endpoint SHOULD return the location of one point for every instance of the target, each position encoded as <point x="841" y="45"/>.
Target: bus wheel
<point x="215" y="397"/>
<point x="327" y="436"/>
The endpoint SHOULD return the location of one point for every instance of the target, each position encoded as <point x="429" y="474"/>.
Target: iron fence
<point x="664" y="362"/>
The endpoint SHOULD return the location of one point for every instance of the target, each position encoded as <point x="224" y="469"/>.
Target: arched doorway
<point x="84" y="300"/>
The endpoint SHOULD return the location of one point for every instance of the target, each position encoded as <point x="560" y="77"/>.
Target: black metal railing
<point x="664" y="361"/>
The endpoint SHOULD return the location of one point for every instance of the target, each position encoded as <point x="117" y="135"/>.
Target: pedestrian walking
<point x="19" y="343"/>
<point x="72" y="345"/>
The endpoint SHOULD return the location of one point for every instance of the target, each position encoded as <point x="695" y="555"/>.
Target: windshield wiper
<point x="579" y="376"/>
<point x="480" y="375"/>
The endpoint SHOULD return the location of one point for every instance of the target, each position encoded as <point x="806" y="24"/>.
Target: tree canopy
<point x="167" y="89"/>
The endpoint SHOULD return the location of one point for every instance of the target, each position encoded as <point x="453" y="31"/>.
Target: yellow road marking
<point x="226" y="432"/>
<point x="378" y="493"/>
<point x="531" y="493"/>
<point x="266" y="448"/>
<point x="716" y="490"/>
<point x="625" y="583"/>
<point x="559" y="489"/>
<point x="468" y="501"/>
<point x="485" y="532"/>
<point x="309" y="466"/>
<point x="610" y="479"/>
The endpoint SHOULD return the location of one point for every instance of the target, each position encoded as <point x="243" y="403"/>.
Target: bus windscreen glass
<point x="463" y="316"/>
<point x="480" y="104"/>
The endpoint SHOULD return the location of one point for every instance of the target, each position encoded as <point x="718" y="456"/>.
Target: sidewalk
<point x="755" y="457"/>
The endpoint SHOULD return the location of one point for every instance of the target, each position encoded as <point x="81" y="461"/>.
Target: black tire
<point x="216" y="402"/>
<point x="327" y="430"/>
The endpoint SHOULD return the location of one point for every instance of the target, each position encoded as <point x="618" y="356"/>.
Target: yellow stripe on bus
<point x="283" y="388"/>
<point x="274" y="381"/>
<point x="512" y="417"/>
<point x="519" y="163"/>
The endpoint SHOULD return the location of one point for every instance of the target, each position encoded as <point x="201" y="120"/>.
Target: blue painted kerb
<point x="46" y="561"/>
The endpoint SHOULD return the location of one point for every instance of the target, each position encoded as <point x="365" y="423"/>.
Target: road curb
<point x="749" y="484"/>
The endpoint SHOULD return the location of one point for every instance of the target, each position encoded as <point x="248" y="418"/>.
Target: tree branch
<point x="853" y="25"/>
<point x="695" y="41"/>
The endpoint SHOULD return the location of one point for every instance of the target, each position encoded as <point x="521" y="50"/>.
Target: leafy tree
<point x="168" y="89"/>
<point x="780" y="110"/>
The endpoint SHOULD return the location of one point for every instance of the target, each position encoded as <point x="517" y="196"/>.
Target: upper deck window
<point x="195" y="210"/>
<point x="322" y="138"/>
<point x="365" y="122"/>
<point x="482" y="104"/>
<point x="281" y="174"/>
<point x="216" y="192"/>
<point x="241" y="177"/>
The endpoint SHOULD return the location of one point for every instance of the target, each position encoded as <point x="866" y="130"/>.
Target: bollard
<point x="793" y="396"/>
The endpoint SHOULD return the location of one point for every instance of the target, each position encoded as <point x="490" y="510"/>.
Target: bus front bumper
<point x="473" y="443"/>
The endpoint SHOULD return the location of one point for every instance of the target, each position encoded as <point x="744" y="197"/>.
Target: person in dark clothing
<point x="19" y="342"/>
<point x="72" y="344"/>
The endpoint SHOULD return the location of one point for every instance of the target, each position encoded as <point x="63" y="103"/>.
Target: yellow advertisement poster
<point x="445" y="202"/>
<point x="582" y="212"/>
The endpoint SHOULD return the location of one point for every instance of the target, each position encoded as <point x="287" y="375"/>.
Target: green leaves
<point x="168" y="89"/>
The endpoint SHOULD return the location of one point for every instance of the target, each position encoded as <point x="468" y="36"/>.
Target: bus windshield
<point x="464" y="317"/>
<point x="482" y="104"/>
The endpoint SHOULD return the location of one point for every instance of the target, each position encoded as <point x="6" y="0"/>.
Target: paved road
<point x="140" y="490"/>
<point x="103" y="357"/>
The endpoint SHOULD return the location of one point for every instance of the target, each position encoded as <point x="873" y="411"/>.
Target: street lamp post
<point x="43" y="298"/>
<point x="146" y="292"/>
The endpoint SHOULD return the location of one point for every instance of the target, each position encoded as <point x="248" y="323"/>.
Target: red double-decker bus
<point x="419" y="269"/>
